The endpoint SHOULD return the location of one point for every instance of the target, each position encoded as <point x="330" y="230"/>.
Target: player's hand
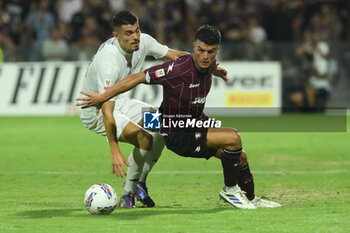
<point x="92" y="100"/>
<point x="118" y="161"/>
<point x="220" y="72"/>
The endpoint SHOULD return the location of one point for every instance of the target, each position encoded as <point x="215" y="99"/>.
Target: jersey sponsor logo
<point x="199" y="100"/>
<point x="193" y="85"/>
<point x="108" y="84"/>
<point x="170" y="68"/>
<point x="159" y="73"/>
<point x="151" y="119"/>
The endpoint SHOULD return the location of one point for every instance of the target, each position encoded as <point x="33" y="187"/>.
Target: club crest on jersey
<point x="159" y="73"/>
<point x="108" y="84"/>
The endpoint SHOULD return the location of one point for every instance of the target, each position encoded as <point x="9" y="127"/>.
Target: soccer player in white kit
<point x="116" y="58"/>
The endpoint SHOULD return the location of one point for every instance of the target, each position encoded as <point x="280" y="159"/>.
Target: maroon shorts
<point x="189" y="143"/>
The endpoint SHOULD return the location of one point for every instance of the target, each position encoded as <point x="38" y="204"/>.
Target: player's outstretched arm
<point x="174" y="54"/>
<point x="118" y="159"/>
<point x="220" y="72"/>
<point x="96" y="99"/>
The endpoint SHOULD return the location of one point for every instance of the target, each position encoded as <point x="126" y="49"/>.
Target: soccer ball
<point x="100" y="199"/>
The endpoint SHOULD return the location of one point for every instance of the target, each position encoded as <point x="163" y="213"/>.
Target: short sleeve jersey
<point x="185" y="88"/>
<point x="320" y="62"/>
<point x="111" y="64"/>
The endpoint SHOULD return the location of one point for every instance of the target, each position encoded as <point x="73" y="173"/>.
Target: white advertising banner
<point x="253" y="88"/>
<point x="40" y="88"/>
<point x="50" y="88"/>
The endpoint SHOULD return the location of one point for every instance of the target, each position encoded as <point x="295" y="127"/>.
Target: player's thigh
<point x="129" y="132"/>
<point x="218" y="138"/>
<point x="136" y="136"/>
<point x="134" y="110"/>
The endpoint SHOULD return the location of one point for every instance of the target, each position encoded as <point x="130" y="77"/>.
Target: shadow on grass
<point x="49" y="213"/>
<point x="124" y="214"/>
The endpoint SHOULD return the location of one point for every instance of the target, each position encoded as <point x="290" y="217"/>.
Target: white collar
<point x="122" y="51"/>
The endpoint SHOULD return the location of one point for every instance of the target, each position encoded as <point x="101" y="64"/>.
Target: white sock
<point x="153" y="156"/>
<point x="235" y="188"/>
<point x="136" y="161"/>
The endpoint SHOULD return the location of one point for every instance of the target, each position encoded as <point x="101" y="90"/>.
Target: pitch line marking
<point x="282" y="172"/>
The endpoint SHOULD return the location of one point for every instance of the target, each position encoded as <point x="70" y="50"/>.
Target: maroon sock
<point x="246" y="182"/>
<point x="230" y="161"/>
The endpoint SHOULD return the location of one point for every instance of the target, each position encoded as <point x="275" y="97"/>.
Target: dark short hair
<point x="124" y="18"/>
<point x="208" y="34"/>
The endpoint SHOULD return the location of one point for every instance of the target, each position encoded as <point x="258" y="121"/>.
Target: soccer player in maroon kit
<point x="186" y="83"/>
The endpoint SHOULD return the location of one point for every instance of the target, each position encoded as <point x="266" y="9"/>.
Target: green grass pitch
<point x="47" y="164"/>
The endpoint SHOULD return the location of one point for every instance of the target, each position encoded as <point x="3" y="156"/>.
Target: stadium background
<point x="48" y="162"/>
<point x="253" y="30"/>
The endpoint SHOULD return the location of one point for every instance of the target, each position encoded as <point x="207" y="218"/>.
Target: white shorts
<point x="131" y="111"/>
<point x="320" y="83"/>
<point x="126" y="110"/>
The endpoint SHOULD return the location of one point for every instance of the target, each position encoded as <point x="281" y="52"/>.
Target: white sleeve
<point x="107" y="72"/>
<point x="321" y="66"/>
<point x="154" y="48"/>
<point x="323" y="46"/>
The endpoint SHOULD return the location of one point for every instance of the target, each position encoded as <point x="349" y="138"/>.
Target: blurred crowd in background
<point x="311" y="38"/>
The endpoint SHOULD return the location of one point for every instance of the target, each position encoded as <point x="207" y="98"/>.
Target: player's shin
<point x="136" y="161"/>
<point x="230" y="160"/>
<point x="246" y="181"/>
<point x="232" y="193"/>
<point x="153" y="156"/>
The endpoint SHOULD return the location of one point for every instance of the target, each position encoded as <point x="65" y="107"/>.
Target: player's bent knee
<point x="145" y="140"/>
<point x="234" y="138"/>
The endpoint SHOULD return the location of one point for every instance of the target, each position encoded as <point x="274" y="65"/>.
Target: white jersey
<point x="320" y="64"/>
<point x="110" y="65"/>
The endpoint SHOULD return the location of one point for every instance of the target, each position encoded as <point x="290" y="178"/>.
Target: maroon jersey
<point x="185" y="89"/>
